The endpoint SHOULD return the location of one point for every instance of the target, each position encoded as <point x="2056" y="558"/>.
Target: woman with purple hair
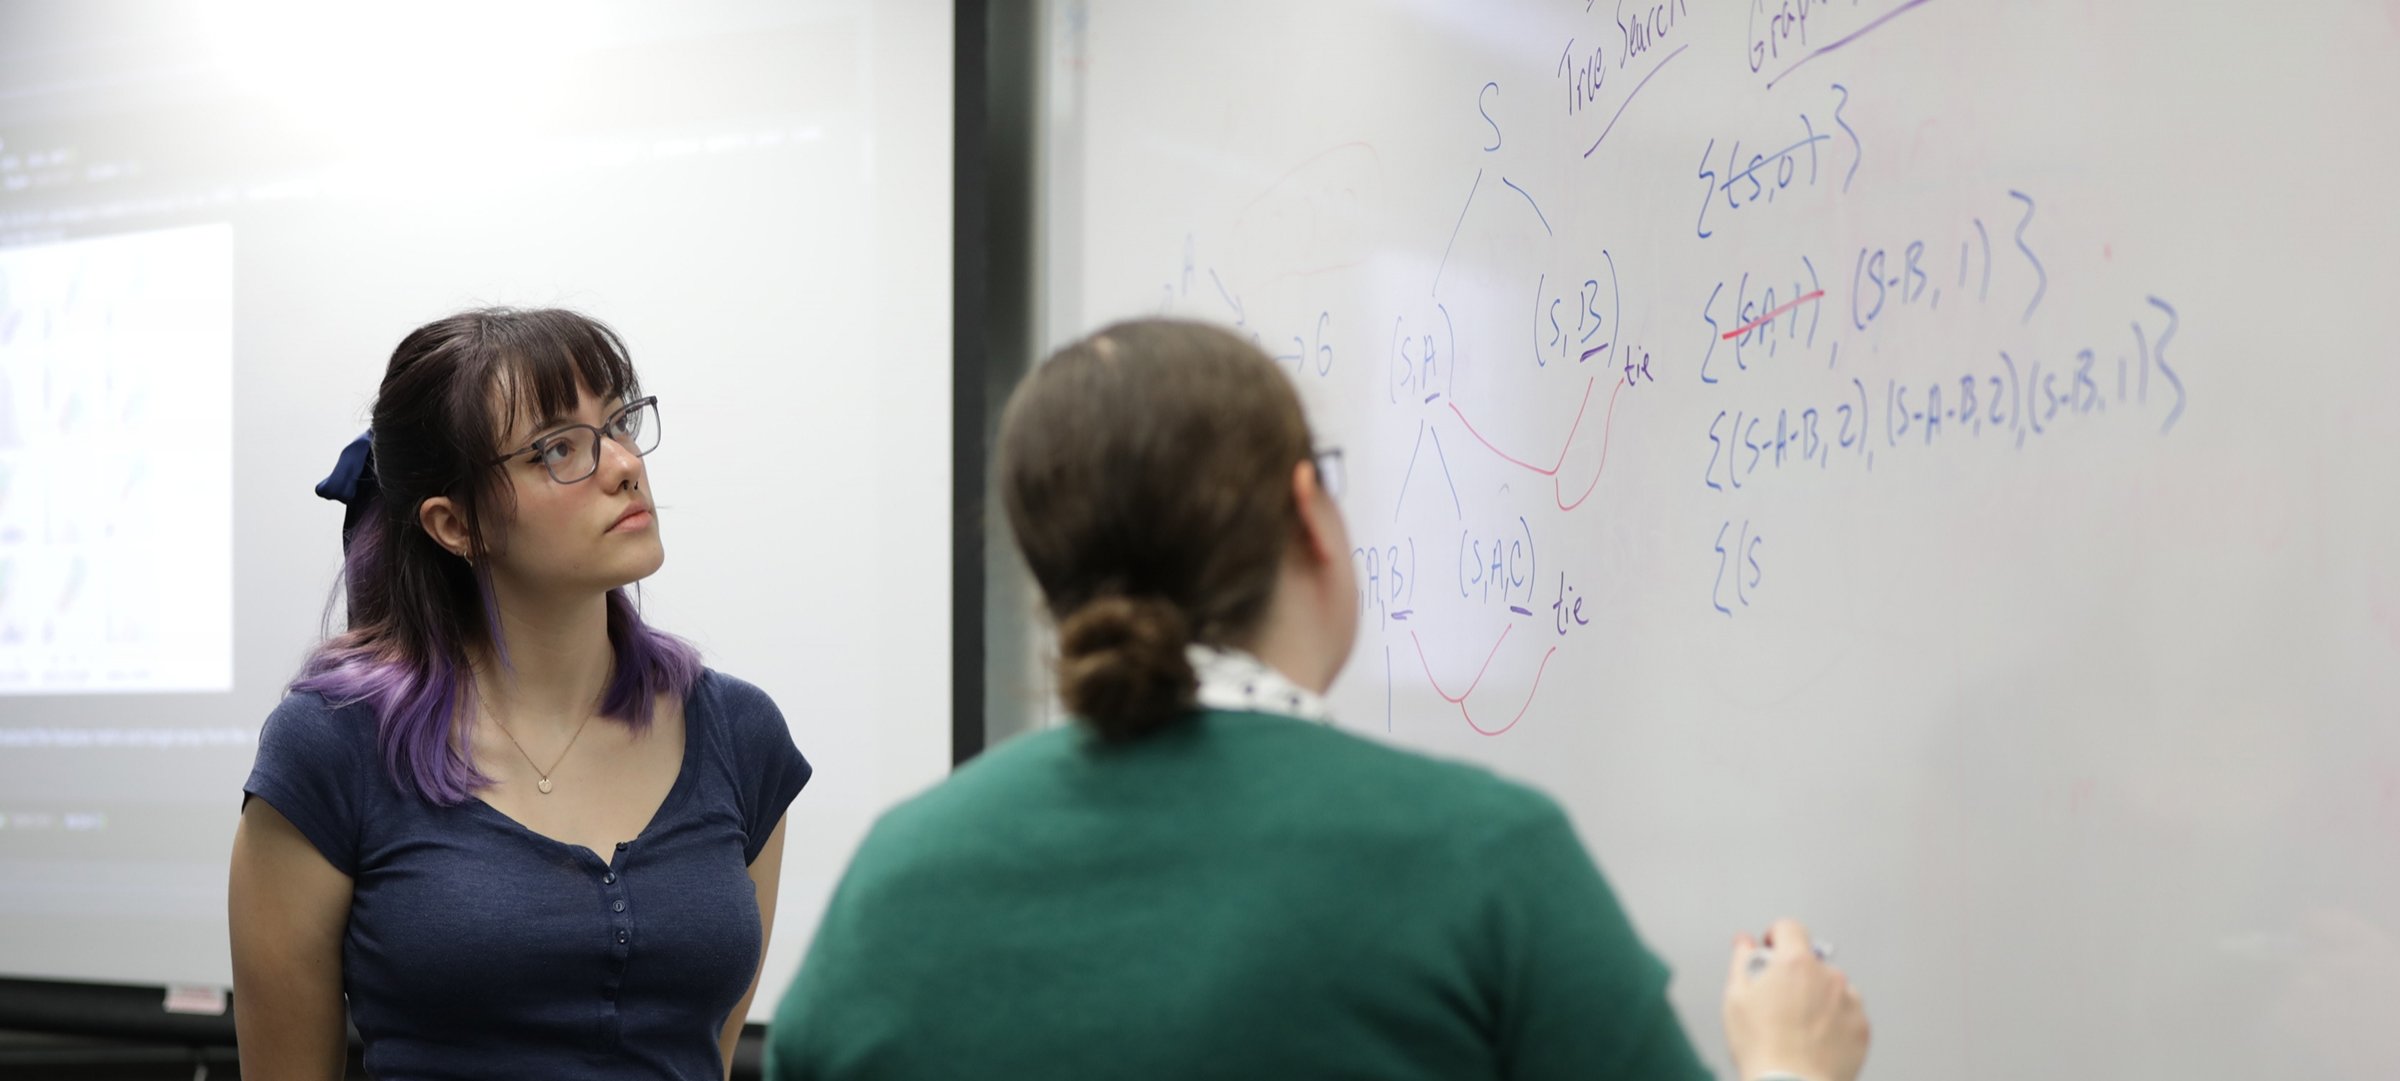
<point x="523" y="833"/>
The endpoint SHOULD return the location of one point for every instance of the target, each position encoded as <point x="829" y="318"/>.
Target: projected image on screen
<point x="116" y="435"/>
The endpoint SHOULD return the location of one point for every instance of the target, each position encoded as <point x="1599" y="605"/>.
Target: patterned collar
<point x="1236" y="681"/>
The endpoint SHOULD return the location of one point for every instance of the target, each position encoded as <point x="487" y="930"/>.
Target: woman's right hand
<point x="1797" y="1016"/>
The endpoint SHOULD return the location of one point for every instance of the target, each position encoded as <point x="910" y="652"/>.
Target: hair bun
<point x="1122" y="667"/>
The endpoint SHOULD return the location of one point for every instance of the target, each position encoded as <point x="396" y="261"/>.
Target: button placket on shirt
<point x="612" y="889"/>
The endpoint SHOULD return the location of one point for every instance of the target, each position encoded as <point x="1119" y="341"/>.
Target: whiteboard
<point x="1919" y="466"/>
<point x="754" y="194"/>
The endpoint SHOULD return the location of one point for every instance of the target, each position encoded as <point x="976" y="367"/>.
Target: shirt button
<point x="609" y="879"/>
<point x="617" y="906"/>
<point x="620" y="938"/>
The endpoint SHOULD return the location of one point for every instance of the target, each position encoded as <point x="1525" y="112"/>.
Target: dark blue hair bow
<point x="352" y="482"/>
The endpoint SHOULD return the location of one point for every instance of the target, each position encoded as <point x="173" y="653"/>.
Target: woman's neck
<point x="559" y="659"/>
<point x="1296" y="637"/>
<point x="1293" y="655"/>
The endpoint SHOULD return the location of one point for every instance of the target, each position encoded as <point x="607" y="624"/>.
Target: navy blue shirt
<point x="478" y="948"/>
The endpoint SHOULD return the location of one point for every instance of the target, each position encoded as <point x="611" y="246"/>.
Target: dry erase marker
<point x="1758" y="961"/>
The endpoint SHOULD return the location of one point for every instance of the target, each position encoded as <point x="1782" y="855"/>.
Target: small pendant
<point x="544" y="785"/>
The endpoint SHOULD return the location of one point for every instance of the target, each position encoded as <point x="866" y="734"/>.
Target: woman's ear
<point x="1321" y="534"/>
<point x="441" y="520"/>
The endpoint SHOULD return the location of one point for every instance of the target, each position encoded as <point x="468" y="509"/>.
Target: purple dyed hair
<point x="415" y="609"/>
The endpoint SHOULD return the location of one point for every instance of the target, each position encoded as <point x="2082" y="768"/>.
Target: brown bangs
<point x="534" y="363"/>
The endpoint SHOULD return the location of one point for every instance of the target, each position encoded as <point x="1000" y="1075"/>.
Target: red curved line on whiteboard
<point x="1521" y="710"/>
<point x="1608" y="428"/>
<point x="1460" y="699"/>
<point x="1513" y="459"/>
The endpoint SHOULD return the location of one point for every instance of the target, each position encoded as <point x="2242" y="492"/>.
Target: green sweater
<point x="1243" y="896"/>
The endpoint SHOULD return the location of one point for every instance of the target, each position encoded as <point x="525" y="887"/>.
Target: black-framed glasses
<point x="1328" y="463"/>
<point x="572" y="453"/>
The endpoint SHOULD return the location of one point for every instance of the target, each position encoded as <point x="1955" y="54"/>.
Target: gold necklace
<point x="543" y="785"/>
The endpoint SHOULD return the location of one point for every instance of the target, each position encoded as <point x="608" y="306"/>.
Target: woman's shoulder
<point x="1361" y="770"/>
<point x="742" y="717"/>
<point x="753" y="749"/>
<point x="315" y="766"/>
<point x="1269" y="761"/>
<point x="308" y="722"/>
<point x="731" y="701"/>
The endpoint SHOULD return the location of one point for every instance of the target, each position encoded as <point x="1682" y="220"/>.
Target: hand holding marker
<point x="1791" y="1016"/>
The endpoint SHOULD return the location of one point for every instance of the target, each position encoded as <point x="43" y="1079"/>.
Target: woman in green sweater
<point x="1200" y="879"/>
